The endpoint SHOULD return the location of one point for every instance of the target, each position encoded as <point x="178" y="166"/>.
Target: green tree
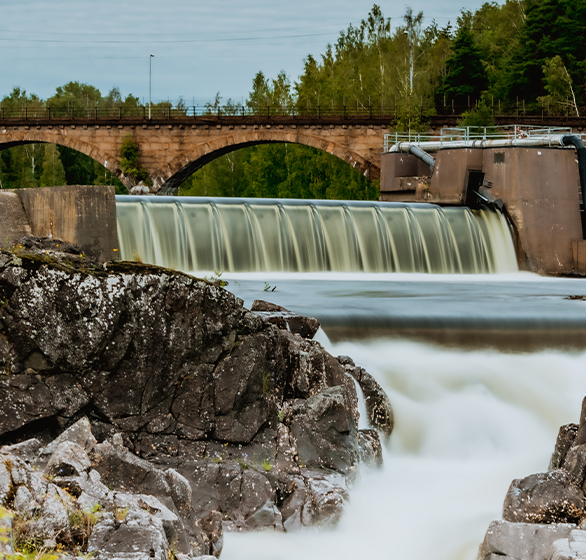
<point x="79" y="168"/>
<point x="559" y="87"/>
<point x="465" y="79"/>
<point x="551" y="28"/>
<point x="18" y="100"/>
<point x="27" y="163"/>
<point x="53" y="173"/>
<point x="74" y="98"/>
<point x="273" y="96"/>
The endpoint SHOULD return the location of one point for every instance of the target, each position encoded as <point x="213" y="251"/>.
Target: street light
<point x="150" y="74"/>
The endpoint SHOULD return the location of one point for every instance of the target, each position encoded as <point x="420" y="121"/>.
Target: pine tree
<point x="466" y="78"/>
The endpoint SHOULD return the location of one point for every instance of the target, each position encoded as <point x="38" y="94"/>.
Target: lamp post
<point x="150" y="81"/>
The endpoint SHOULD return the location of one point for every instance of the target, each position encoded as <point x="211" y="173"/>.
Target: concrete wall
<point x="14" y="223"/>
<point x="540" y="188"/>
<point x="82" y="215"/>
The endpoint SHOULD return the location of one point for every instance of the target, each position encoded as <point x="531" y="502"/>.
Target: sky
<point x="200" y="48"/>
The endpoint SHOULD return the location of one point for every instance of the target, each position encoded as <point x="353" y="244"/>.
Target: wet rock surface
<point x="158" y="401"/>
<point x="545" y="513"/>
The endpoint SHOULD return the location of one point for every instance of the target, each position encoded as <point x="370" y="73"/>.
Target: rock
<point x="53" y="523"/>
<point x="79" y="433"/>
<point x="575" y="464"/>
<point x="24" y="503"/>
<point x="378" y="406"/>
<point x="196" y="402"/>
<point x="6" y="487"/>
<point x="180" y="490"/>
<point x="212" y="527"/>
<point x="68" y="460"/>
<point x="325" y="432"/>
<point x="125" y="471"/>
<point x="369" y="445"/>
<point x="328" y="493"/>
<point x="266" y="306"/>
<point x="581" y="434"/>
<point x="28" y="449"/>
<point x="565" y="440"/>
<point x="138" y="536"/>
<point x="304" y="326"/>
<point x="522" y="541"/>
<point x="544" y="498"/>
<point x="572" y="548"/>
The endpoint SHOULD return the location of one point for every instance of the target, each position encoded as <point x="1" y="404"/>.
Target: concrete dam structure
<point x="441" y="184"/>
<point x="531" y="173"/>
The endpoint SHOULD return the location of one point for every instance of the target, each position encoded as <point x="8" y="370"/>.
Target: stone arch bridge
<point x="172" y="149"/>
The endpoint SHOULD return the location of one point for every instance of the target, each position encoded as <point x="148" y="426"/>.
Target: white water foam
<point x="467" y="423"/>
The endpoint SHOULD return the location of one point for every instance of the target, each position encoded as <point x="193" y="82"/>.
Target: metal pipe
<point x="418" y="153"/>
<point x="576" y="141"/>
<point x="549" y="140"/>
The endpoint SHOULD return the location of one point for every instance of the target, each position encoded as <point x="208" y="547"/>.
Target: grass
<point x="120" y="514"/>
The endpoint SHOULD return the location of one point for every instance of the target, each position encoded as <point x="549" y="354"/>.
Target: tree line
<point x="520" y="53"/>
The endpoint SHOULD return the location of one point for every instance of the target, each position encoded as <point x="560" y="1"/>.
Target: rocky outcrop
<point x="169" y="389"/>
<point x="545" y="513"/>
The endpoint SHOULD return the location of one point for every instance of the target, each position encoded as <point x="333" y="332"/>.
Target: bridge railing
<point x="196" y="111"/>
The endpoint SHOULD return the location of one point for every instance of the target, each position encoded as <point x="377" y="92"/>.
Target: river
<point x="481" y="369"/>
<point x="470" y="416"/>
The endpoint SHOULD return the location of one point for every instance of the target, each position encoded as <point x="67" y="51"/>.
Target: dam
<point x="482" y="361"/>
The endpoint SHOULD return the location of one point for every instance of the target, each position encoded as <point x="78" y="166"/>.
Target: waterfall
<point x="246" y="235"/>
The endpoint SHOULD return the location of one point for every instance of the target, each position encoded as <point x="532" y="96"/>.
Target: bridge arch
<point x="186" y="163"/>
<point x="104" y="157"/>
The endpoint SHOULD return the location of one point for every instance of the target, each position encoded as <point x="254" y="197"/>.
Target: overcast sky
<point x="201" y="46"/>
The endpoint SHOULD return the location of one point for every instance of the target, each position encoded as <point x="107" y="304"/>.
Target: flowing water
<point x="237" y="235"/>
<point x="482" y="369"/>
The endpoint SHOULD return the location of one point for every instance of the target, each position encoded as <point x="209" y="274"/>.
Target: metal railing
<point x="470" y="133"/>
<point x="195" y="111"/>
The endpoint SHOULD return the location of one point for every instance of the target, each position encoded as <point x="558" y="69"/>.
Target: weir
<point x="247" y="235"/>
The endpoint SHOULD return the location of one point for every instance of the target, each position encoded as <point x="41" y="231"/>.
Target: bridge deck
<point x="435" y="122"/>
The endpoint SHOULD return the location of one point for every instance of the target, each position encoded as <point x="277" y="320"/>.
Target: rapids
<point x="467" y="423"/>
<point x="481" y="369"/>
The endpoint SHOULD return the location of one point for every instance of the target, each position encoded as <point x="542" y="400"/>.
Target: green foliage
<point x="270" y="96"/>
<point x="53" y="171"/>
<point x="74" y="98"/>
<point x="559" y="86"/>
<point x="129" y="161"/>
<point x="479" y="116"/>
<point x="465" y="78"/>
<point x="280" y="171"/>
<point x="551" y="28"/>
<point x="266" y="465"/>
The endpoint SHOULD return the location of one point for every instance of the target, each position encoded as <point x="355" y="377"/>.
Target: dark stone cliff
<point x="173" y="372"/>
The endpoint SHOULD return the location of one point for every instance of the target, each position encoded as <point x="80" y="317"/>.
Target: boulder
<point x="565" y="440"/>
<point x="79" y="433"/>
<point x="521" y="541"/>
<point x="325" y="432"/>
<point x="574" y="464"/>
<point x="544" y="498"/>
<point x="572" y="548"/>
<point x="306" y="327"/>
<point x="378" y="407"/>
